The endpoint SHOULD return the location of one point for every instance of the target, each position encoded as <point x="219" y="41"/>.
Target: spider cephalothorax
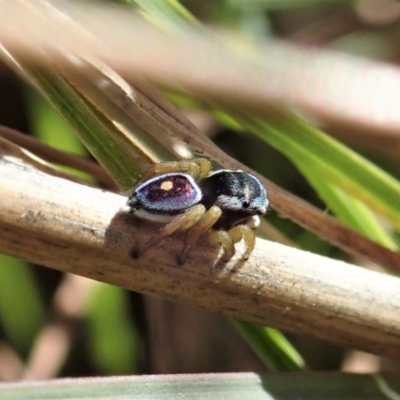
<point x="187" y="196"/>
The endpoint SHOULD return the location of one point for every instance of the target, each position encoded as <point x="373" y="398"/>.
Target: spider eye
<point x="246" y="204"/>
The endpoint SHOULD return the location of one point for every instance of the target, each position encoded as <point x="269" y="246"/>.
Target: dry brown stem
<point x="75" y="228"/>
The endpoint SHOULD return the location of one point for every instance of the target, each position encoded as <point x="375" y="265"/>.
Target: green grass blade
<point x="313" y="150"/>
<point x="271" y="346"/>
<point x="45" y="121"/>
<point x="121" y="143"/>
<point x="238" y="386"/>
<point x="167" y="13"/>
<point x="94" y="129"/>
<point x="350" y="210"/>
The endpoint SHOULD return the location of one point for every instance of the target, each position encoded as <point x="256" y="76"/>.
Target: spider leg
<point x="203" y="225"/>
<point x="239" y="232"/>
<point x="222" y="238"/>
<point x="197" y="168"/>
<point x="179" y="223"/>
<point x="204" y="167"/>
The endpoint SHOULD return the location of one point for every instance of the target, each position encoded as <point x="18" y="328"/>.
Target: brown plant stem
<point x="89" y="232"/>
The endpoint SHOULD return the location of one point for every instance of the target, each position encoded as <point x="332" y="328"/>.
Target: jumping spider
<point x="187" y="195"/>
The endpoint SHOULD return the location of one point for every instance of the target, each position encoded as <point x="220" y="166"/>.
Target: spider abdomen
<point x="168" y="194"/>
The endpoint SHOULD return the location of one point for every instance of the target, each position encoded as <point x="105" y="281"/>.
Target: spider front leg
<point x="227" y="239"/>
<point x="222" y="238"/>
<point x="197" y="168"/>
<point x="244" y="232"/>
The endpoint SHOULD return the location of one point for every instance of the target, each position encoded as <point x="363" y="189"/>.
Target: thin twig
<point x="53" y="155"/>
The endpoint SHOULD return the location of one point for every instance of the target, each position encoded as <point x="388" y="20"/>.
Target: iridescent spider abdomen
<point x="224" y="203"/>
<point x="161" y="198"/>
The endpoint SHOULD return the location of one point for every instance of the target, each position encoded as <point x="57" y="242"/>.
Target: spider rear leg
<point x="204" y="224"/>
<point x="179" y="223"/>
<point x="197" y="168"/>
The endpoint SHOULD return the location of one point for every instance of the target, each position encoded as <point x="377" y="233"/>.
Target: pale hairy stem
<point x="89" y="232"/>
<point x="360" y="95"/>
